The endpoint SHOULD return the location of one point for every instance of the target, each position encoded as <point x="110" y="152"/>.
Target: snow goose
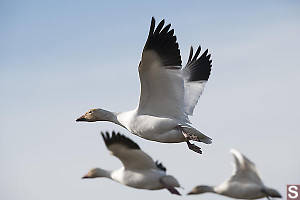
<point x="169" y="93"/>
<point x="245" y="182"/>
<point x="138" y="171"/>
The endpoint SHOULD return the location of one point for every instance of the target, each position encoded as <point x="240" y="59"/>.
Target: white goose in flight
<point x="169" y="93"/>
<point x="138" y="171"/>
<point x="245" y="182"/>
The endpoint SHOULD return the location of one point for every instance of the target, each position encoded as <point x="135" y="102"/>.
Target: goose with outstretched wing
<point x="169" y="93"/>
<point x="139" y="169"/>
<point x="245" y="183"/>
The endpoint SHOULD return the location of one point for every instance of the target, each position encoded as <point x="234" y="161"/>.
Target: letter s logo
<point x="293" y="192"/>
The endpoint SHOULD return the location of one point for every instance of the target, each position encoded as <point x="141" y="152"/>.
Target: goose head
<point x="93" y="115"/>
<point x="201" y="189"/>
<point x="96" y="173"/>
<point x="89" y="116"/>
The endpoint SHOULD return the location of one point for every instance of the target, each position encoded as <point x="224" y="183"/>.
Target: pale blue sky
<point x="60" y="58"/>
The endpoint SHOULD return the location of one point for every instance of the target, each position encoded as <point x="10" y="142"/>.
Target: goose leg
<point x="189" y="137"/>
<point x="189" y="134"/>
<point x="193" y="147"/>
<point x="173" y="191"/>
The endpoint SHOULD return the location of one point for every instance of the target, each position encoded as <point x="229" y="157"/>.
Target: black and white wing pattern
<point x="196" y="73"/>
<point x="167" y="90"/>
<point x="162" y="86"/>
<point x="127" y="151"/>
<point x="160" y="166"/>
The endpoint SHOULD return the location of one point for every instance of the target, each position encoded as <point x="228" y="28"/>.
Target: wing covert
<point x="128" y="152"/>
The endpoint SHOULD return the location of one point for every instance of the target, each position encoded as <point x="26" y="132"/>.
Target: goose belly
<point x="244" y="191"/>
<point x="141" y="180"/>
<point x="157" y="129"/>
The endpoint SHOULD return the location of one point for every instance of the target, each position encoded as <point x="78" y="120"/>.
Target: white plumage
<point x="245" y="183"/>
<point x="169" y="93"/>
<point x="138" y="171"/>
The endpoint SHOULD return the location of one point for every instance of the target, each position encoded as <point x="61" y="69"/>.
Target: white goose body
<point x="140" y="179"/>
<point x="160" y="129"/>
<point x="169" y="93"/>
<point x="138" y="171"/>
<point x="245" y="182"/>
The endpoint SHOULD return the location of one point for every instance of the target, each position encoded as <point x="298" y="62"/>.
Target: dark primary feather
<point x="117" y="138"/>
<point x="198" y="69"/>
<point x="160" y="166"/>
<point x="163" y="42"/>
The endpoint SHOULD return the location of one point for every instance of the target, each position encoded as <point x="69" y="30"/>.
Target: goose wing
<point x="128" y="152"/>
<point x="167" y="90"/>
<point x="195" y="74"/>
<point x="245" y="170"/>
<point x="162" y="86"/>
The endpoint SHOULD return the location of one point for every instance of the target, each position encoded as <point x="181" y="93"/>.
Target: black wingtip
<point x="191" y="54"/>
<point x="164" y="43"/>
<point x="103" y="136"/>
<point x="199" y="68"/>
<point x="197" y="53"/>
<point x="117" y="138"/>
<point x="205" y="52"/>
<point x="159" y="27"/>
<point x="152" y="26"/>
<point x="160" y="166"/>
<point x="166" y="29"/>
